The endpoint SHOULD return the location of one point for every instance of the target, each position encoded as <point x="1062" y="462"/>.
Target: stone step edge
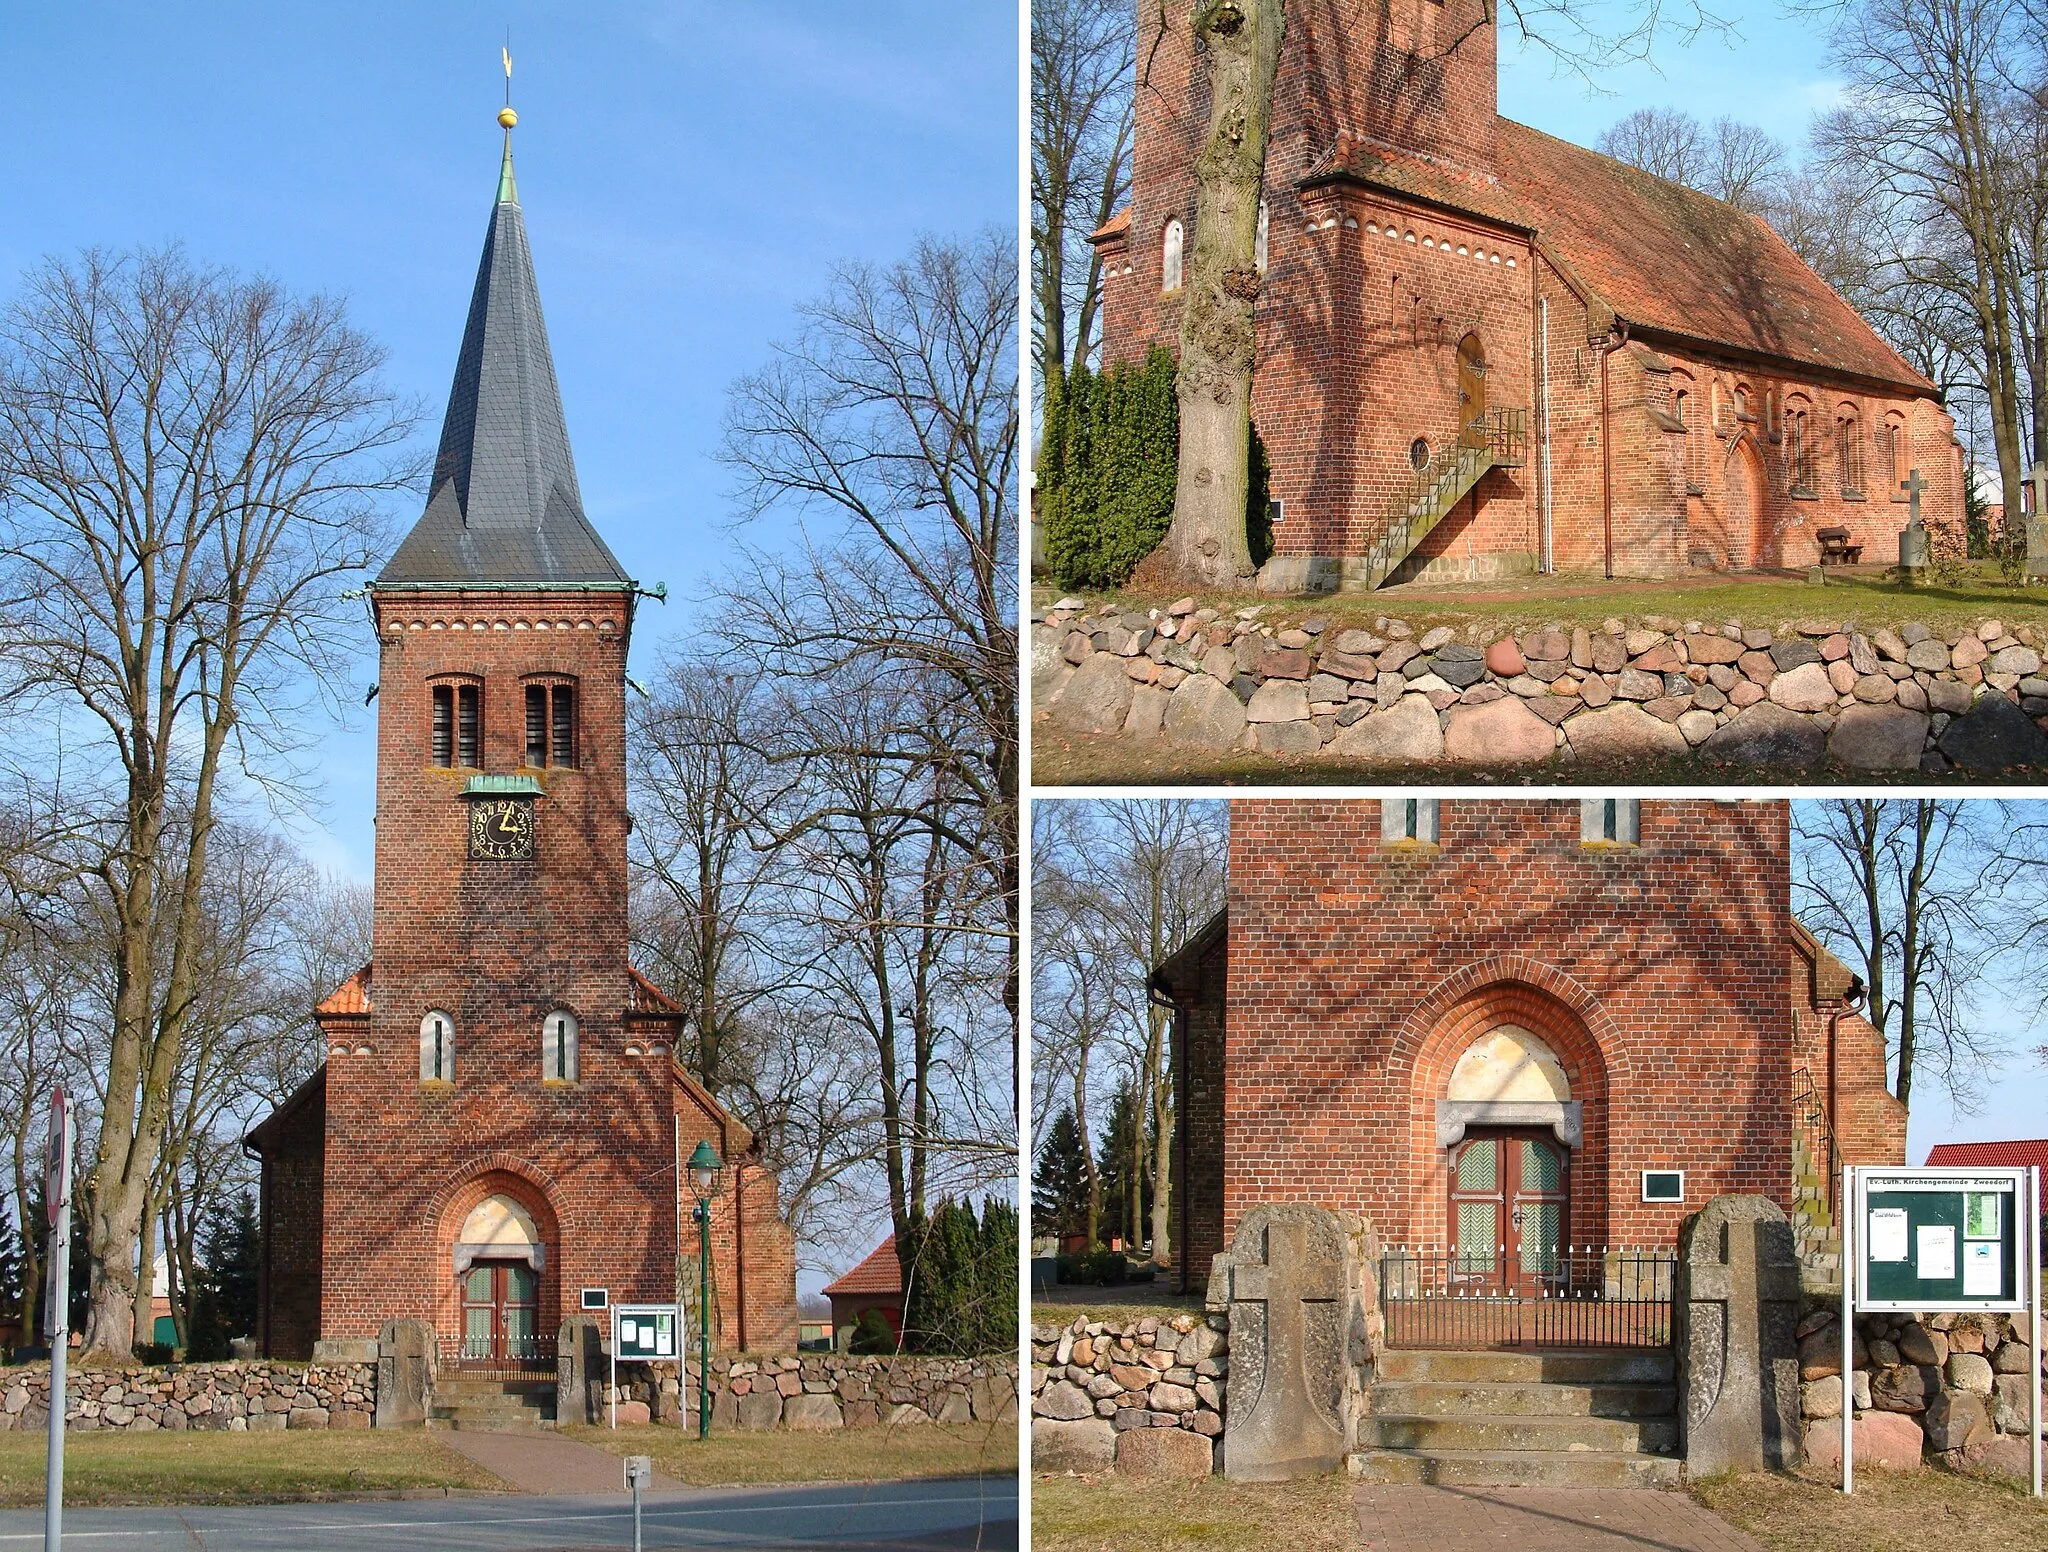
<point x="1667" y="1467"/>
<point x="1524" y="1420"/>
<point x="1497" y="1389"/>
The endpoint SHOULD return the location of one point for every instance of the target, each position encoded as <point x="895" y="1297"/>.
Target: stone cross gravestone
<point x="2037" y="525"/>
<point x="580" y="1371"/>
<point x="1913" y="537"/>
<point x="405" y="1373"/>
<point x="1736" y="1311"/>
<point x="1295" y="1282"/>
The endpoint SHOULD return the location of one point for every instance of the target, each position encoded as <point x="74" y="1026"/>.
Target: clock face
<point x="501" y="829"/>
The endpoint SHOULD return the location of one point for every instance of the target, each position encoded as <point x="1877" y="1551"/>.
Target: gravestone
<point x="1913" y="537"/>
<point x="580" y="1370"/>
<point x="2037" y="525"/>
<point x="405" y="1373"/>
<point x="1298" y="1284"/>
<point x="1736" y="1313"/>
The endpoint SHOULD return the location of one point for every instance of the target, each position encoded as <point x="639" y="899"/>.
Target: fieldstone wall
<point x="1953" y="1386"/>
<point x="1728" y="693"/>
<point x="818" y="1391"/>
<point x="1143" y="1396"/>
<point x="238" y="1397"/>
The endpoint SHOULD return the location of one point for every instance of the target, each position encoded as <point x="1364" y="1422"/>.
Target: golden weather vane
<point x="505" y="114"/>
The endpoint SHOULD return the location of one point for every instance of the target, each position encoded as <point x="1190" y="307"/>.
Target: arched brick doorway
<point x="496" y="1271"/>
<point x="1745" y="512"/>
<point x="1471" y="390"/>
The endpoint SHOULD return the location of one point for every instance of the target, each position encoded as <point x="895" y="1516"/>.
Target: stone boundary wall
<point x="1948" y="1386"/>
<point x="820" y="1391"/>
<point x="237" y="1396"/>
<point x="1144" y="1397"/>
<point x="1727" y="693"/>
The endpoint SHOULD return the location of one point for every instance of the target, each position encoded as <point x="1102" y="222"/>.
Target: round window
<point x="1418" y="454"/>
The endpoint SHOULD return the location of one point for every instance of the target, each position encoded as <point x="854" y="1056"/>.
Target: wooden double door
<point x="1509" y="1210"/>
<point x="500" y="1314"/>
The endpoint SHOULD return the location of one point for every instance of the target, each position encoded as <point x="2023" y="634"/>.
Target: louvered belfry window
<point x="468" y="726"/>
<point x="562" y="747"/>
<point x="551" y="725"/>
<point x="536" y="724"/>
<point x="444" y="724"/>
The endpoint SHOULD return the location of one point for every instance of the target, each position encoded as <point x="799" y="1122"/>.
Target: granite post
<point x="2037" y="524"/>
<point x="405" y="1374"/>
<point x="1913" y="537"/>
<point x="1299" y="1284"/>
<point x="579" y="1365"/>
<point x="1736" y="1316"/>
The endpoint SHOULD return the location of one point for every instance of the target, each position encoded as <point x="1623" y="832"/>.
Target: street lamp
<point x="706" y="1169"/>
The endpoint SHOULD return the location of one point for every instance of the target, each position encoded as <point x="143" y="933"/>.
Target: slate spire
<point x="504" y="505"/>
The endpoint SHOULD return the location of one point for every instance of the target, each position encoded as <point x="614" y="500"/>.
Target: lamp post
<point x="706" y="1169"/>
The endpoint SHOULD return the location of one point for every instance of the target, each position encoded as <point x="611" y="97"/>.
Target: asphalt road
<point x="974" y="1513"/>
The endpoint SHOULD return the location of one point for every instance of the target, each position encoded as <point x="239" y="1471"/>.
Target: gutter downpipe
<point x="1614" y="341"/>
<point x="1180" y="1185"/>
<point x="1548" y="559"/>
<point x="1846" y="1004"/>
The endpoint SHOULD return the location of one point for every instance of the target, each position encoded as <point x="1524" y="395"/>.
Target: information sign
<point x="1935" y="1240"/>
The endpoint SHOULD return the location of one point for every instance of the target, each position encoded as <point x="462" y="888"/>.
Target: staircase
<point x="1564" y="1418"/>
<point x="491" y="1404"/>
<point x="1816" y="1169"/>
<point x="1491" y="442"/>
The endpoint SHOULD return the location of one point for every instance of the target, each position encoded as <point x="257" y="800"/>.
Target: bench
<point x="1835" y="548"/>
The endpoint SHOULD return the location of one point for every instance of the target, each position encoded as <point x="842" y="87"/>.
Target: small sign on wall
<point x="1663" y="1185"/>
<point x="597" y="1298"/>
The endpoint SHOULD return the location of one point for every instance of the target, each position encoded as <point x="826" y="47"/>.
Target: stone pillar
<point x="1913" y="537"/>
<point x="405" y="1373"/>
<point x="2037" y="525"/>
<point x="581" y="1371"/>
<point x="1736" y="1317"/>
<point x="1300" y="1286"/>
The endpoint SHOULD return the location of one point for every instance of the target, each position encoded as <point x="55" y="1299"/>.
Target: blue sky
<point x="1769" y="70"/>
<point x="690" y="171"/>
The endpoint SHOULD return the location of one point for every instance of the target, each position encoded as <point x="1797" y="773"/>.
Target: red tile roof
<point x="650" y="1000"/>
<point x="880" y="1273"/>
<point x="1980" y="1155"/>
<point x="351" y="999"/>
<point x="1677" y="261"/>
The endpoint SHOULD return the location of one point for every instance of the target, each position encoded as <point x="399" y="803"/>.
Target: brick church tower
<point x="497" y="1132"/>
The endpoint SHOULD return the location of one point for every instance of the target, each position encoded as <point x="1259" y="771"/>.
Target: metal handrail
<point x="1818" y="1126"/>
<point x="1499" y="437"/>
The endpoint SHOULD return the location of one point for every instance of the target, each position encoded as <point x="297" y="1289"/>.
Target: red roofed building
<point x="1991" y="1155"/>
<point x="1565" y="362"/>
<point x="876" y="1284"/>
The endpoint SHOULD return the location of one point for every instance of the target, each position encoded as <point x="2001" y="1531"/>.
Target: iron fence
<point x="1489" y="1296"/>
<point x="510" y="1355"/>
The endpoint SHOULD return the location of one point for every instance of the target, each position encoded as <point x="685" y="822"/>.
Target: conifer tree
<point x="1059" y="1186"/>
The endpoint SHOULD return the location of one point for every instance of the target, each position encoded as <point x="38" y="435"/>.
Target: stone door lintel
<point x="1562" y="1116"/>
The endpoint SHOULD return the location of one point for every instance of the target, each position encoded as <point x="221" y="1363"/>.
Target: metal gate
<point x="1566" y="1296"/>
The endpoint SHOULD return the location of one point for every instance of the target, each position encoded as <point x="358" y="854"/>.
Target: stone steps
<point x="492" y="1405"/>
<point x="1563" y="1418"/>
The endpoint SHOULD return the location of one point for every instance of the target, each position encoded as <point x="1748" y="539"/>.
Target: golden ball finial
<point x="507" y="117"/>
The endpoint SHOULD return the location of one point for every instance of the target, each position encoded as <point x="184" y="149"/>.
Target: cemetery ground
<point x="1889" y="1512"/>
<point x="1863" y="595"/>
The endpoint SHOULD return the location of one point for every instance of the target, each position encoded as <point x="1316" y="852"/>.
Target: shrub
<point x="871" y="1334"/>
<point x="961" y="1295"/>
<point x="1106" y="471"/>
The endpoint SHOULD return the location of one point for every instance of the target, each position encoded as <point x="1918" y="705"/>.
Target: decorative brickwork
<point x="1667" y="977"/>
<point x="1661" y="343"/>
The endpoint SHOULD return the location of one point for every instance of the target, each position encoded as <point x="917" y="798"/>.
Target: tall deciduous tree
<point x="191" y="462"/>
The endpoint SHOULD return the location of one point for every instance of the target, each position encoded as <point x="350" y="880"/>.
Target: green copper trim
<point x="508" y="191"/>
<point x="503" y="787"/>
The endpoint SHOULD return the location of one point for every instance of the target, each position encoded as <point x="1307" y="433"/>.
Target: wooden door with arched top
<point x="1509" y="1209"/>
<point x="1471" y="391"/>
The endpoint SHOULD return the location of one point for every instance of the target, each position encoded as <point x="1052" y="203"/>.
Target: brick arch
<point x="1507" y="989"/>
<point x="491" y="1175"/>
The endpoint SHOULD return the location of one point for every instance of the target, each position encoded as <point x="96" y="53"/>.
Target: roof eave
<point x="1783" y="365"/>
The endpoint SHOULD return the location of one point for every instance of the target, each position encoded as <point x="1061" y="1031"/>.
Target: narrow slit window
<point x="1610" y="821"/>
<point x="563" y="751"/>
<point x="444" y="725"/>
<point x="1408" y="820"/>
<point x="437" y="1048"/>
<point x="558" y="1048"/>
<point x="468" y="725"/>
<point x="536" y="724"/>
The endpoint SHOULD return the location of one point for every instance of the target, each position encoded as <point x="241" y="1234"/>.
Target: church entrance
<point x="1508" y="1211"/>
<point x="1471" y="392"/>
<point x="1745" y="523"/>
<point x="500" y="1314"/>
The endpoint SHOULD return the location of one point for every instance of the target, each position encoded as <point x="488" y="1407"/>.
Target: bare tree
<point x="1666" y="142"/>
<point x="1900" y="887"/>
<point x="1730" y="160"/>
<point x="190" y="462"/>
<point x="1082" y="60"/>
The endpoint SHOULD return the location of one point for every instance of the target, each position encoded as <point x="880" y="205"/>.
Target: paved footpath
<point x="1540" y="1519"/>
<point x="547" y="1463"/>
<point x="952" y="1515"/>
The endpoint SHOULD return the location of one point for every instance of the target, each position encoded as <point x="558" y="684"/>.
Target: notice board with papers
<point x="1942" y="1239"/>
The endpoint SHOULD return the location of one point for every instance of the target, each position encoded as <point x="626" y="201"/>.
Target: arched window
<point x="1894" y="443"/>
<point x="551" y="724"/>
<point x="456" y="735"/>
<point x="1169" y="257"/>
<point x="1798" y="447"/>
<point x="558" y="1047"/>
<point x="1259" y="245"/>
<point x="437" y="1048"/>
<point x="1849" y="450"/>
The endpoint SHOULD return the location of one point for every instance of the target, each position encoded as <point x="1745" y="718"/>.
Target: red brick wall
<point x="288" y="1295"/>
<point x="498" y="946"/>
<point x="1869" y="1123"/>
<point x="1358" y="331"/>
<point x="1201" y="1145"/>
<point x="1357" y="976"/>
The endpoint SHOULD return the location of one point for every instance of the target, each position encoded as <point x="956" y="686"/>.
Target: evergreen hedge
<point x="962" y="1280"/>
<point x="1106" y="471"/>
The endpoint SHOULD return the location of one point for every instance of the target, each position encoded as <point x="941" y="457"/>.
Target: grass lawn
<point x="1099" y="1514"/>
<point x="1060" y="1306"/>
<point x="1889" y="1512"/>
<point x="232" y="1468"/>
<point x="1859" y="594"/>
<point x="735" y="1458"/>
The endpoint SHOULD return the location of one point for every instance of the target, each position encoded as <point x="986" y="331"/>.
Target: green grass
<point x="233" y="1468"/>
<point x="1103" y="1514"/>
<point x="743" y="1457"/>
<point x="1861" y="595"/>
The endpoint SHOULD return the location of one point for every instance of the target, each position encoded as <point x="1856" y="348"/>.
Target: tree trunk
<point x="1207" y="543"/>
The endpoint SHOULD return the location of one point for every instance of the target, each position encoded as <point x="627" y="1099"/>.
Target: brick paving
<point x="546" y="1463"/>
<point x="1540" y="1519"/>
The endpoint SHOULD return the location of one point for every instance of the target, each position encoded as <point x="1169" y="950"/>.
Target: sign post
<point x="645" y="1333"/>
<point x="56" y="1309"/>
<point x="638" y="1469"/>
<point x="1937" y="1241"/>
